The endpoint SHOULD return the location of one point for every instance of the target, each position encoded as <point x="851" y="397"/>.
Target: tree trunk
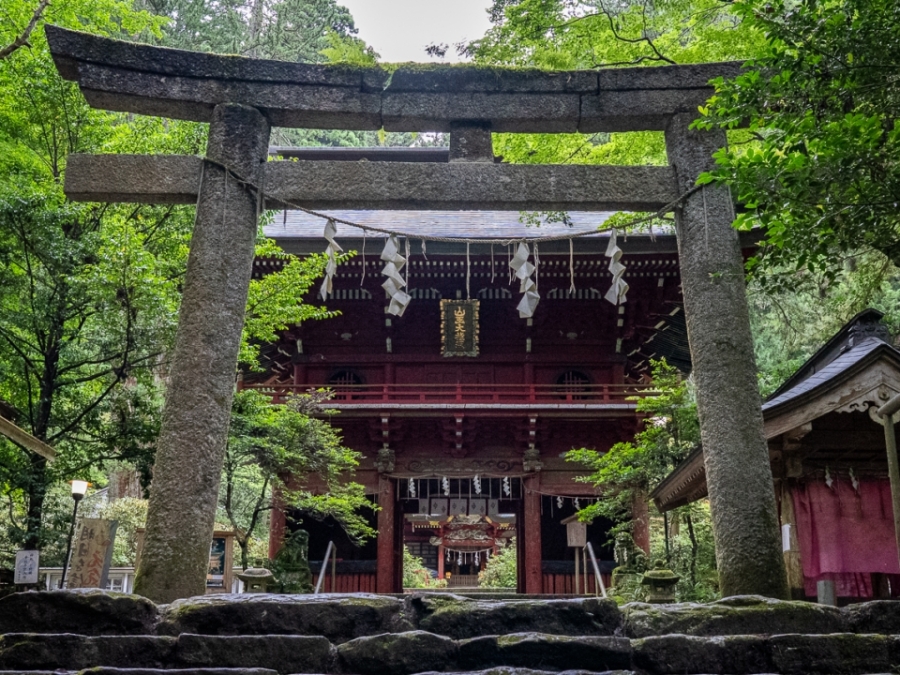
<point x="191" y="446"/>
<point x="693" y="537"/>
<point x="37" y="492"/>
<point x="741" y="491"/>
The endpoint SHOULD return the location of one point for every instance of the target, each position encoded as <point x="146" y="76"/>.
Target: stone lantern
<point x="660" y="583"/>
<point x="256" y="580"/>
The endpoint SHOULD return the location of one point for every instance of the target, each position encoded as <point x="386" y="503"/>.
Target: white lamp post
<point x="79" y="488"/>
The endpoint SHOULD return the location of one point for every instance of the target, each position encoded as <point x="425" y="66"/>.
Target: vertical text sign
<point x="459" y="327"/>
<point x="92" y="553"/>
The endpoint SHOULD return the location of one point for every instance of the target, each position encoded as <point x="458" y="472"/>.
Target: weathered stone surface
<point x="338" y="618"/>
<point x="469" y="185"/>
<point x="28" y="651"/>
<point x="191" y="443"/>
<point x="546" y="652"/>
<point x="156" y="81"/>
<point x="832" y="654"/>
<point x="284" y="653"/>
<point x="686" y="654"/>
<point x="878" y="616"/>
<point x="640" y="110"/>
<point x="694" y="76"/>
<point x="741" y="493"/>
<point x="177" y="671"/>
<point x="323" y="184"/>
<point x="739" y="615"/>
<point x="471" y="143"/>
<point x="71" y="47"/>
<point x="423" y="78"/>
<point x="463" y="618"/>
<point x="528" y="112"/>
<point x="87" y="612"/>
<point x="147" y="179"/>
<point x="508" y="670"/>
<point x="397" y="654"/>
<point x="286" y="105"/>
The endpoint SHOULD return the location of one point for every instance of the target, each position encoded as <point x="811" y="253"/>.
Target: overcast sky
<point x="399" y="30"/>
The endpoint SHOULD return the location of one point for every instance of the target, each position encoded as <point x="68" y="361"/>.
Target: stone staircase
<point x="114" y="634"/>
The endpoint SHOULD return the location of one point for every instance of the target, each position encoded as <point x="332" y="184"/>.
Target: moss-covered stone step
<point x="841" y="653"/>
<point x="145" y="671"/>
<point x="281" y="653"/>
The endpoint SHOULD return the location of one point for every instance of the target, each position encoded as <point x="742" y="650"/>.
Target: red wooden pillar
<point x="441" y="554"/>
<point x="531" y="535"/>
<point x="277" y="524"/>
<point x="387" y="563"/>
<point x="640" y="518"/>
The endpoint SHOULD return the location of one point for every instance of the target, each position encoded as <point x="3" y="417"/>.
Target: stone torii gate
<point x="242" y="98"/>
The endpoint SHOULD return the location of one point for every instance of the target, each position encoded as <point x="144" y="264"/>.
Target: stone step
<point x="146" y="671"/>
<point x="413" y="652"/>
<point x="341" y="618"/>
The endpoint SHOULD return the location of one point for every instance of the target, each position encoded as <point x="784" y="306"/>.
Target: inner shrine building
<point x="462" y="409"/>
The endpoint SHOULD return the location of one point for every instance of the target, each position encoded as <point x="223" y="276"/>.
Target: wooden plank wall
<point x="562" y="584"/>
<point x="350" y="583"/>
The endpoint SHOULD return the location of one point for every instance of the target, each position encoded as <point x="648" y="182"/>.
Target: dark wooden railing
<point x="464" y="393"/>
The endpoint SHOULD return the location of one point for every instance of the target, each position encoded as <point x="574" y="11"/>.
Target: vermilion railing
<point x="464" y="393"/>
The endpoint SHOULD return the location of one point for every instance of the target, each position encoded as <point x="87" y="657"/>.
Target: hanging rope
<point x="468" y="272"/>
<point x="571" y="267"/>
<point x="363" y="277"/>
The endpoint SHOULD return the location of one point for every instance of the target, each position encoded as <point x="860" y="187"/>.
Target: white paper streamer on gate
<point x="618" y="289"/>
<point x="331" y="266"/>
<point x="395" y="283"/>
<point x="524" y="271"/>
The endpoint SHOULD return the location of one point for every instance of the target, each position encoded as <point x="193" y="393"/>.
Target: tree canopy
<point x="820" y="172"/>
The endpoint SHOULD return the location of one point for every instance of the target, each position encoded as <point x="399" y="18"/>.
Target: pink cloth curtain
<point x="845" y="533"/>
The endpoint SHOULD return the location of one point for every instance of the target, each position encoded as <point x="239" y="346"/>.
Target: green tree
<point x="821" y="174"/>
<point x="416" y="575"/>
<point x="284" y="448"/>
<point x="500" y="570"/>
<point x="586" y="34"/>
<point x="631" y="470"/>
<point x="89" y="292"/>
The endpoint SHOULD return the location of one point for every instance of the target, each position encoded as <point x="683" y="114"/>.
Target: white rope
<point x="571" y="267"/>
<point x="468" y="272"/>
<point x="362" y="279"/>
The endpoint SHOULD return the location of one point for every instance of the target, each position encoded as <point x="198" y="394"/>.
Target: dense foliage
<point x="500" y="570"/>
<point x="821" y="174"/>
<point x="629" y="471"/>
<point x="282" y="449"/>
<point x="416" y="575"/>
<point x="89" y="293"/>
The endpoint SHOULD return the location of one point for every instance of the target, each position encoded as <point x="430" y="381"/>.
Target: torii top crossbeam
<point x="137" y="78"/>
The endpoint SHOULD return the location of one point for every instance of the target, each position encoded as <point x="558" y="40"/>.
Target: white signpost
<point x="27" y="564"/>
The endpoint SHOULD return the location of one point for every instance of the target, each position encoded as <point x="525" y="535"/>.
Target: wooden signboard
<point x="459" y="327"/>
<point x="92" y="553"/>
<point x="27" y="563"/>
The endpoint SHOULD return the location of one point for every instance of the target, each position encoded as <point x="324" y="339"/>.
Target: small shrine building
<point x="829" y="464"/>
<point x="463" y="409"/>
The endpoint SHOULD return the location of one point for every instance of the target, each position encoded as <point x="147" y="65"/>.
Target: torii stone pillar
<point x="191" y="445"/>
<point x="741" y="495"/>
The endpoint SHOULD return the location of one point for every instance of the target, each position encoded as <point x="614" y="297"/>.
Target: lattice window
<point x="351" y="294"/>
<point x="494" y="293"/>
<point x="344" y="378"/>
<point x="424" y="294"/>
<point x="579" y="294"/>
<point x="572" y="383"/>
